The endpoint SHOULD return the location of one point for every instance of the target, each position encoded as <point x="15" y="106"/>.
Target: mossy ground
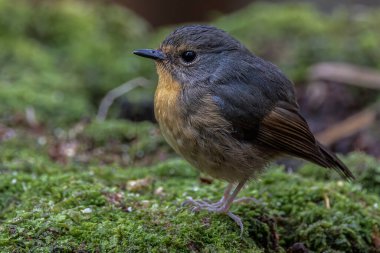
<point x="71" y="184"/>
<point x="46" y="206"/>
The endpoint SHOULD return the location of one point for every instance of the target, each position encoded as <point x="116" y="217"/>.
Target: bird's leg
<point x="223" y="205"/>
<point x="227" y="193"/>
<point x="227" y="202"/>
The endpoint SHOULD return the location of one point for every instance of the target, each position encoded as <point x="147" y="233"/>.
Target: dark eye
<point x="188" y="56"/>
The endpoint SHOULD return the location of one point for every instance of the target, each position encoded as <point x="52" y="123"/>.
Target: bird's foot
<point x="214" y="207"/>
<point x="198" y="205"/>
<point x="217" y="207"/>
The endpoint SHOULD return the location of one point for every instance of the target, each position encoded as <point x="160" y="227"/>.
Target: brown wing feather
<point x="285" y="129"/>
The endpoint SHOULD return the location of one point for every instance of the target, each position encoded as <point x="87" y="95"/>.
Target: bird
<point x="228" y="112"/>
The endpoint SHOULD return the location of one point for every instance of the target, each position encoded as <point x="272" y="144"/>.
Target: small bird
<point x="227" y="111"/>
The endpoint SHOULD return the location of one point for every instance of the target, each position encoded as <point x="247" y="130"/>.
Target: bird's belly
<point x="216" y="153"/>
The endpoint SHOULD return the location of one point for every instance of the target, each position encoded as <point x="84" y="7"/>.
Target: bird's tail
<point x="329" y="160"/>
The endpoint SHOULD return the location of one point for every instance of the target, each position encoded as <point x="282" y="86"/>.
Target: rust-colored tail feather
<point x="332" y="161"/>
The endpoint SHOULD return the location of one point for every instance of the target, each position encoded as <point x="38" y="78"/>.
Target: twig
<point x="327" y="200"/>
<point x="345" y="74"/>
<point x="347" y="127"/>
<point x="117" y="92"/>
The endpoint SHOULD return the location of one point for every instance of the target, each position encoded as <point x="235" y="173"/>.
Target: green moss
<point x="47" y="206"/>
<point x="366" y="167"/>
<point x="135" y="140"/>
<point x="101" y="132"/>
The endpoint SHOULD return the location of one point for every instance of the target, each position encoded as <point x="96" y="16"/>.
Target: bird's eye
<point x="188" y="56"/>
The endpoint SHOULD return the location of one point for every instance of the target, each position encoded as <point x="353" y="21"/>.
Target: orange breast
<point x="166" y="108"/>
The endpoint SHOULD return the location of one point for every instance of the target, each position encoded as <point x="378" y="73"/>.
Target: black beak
<point x="150" y="53"/>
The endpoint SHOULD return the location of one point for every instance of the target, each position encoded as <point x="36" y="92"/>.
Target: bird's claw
<point x="201" y="204"/>
<point x="238" y="221"/>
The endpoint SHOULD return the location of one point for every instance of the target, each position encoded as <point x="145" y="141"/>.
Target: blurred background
<point x="71" y="88"/>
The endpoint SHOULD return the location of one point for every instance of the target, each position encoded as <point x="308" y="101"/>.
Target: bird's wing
<point x="284" y="129"/>
<point x="254" y="90"/>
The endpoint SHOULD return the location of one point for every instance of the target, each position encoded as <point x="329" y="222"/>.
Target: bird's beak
<point x="150" y="53"/>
